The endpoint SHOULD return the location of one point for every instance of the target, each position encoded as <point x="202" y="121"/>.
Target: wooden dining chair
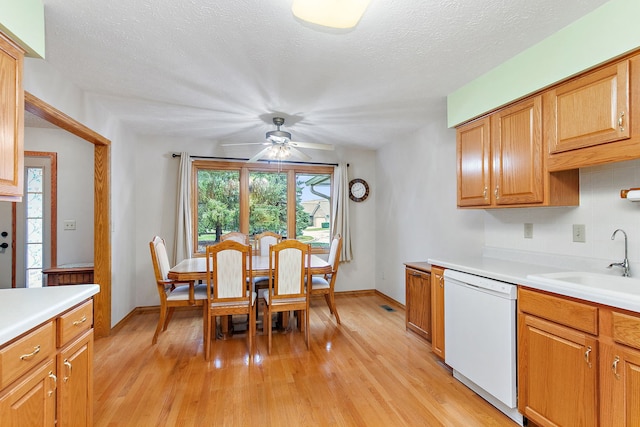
<point x="236" y="236"/>
<point x="263" y="242"/>
<point x="172" y="294"/>
<point x="229" y="265"/>
<point x="287" y="277"/>
<point x="324" y="284"/>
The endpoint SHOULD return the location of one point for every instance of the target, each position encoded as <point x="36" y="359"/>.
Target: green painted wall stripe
<point x="609" y="31"/>
<point x="23" y="22"/>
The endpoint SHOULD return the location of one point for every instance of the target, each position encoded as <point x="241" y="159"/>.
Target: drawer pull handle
<point x="586" y="356"/>
<point x="28" y="356"/>
<point x="67" y="365"/>
<point x="621" y="122"/>
<point x="54" y="379"/>
<point x="484" y="192"/>
<point x="496" y="192"/>
<point x="614" y="367"/>
<point x="80" y="322"/>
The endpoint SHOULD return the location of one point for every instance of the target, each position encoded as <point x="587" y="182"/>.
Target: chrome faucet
<point x="625" y="262"/>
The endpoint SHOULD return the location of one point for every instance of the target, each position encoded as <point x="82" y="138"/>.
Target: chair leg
<point x="266" y="323"/>
<point x="306" y="327"/>
<point x="334" y="309"/>
<point x="168" y="318"/>
<point x="251" y="330"/>
<point x="207" y="344"/>
<point x="161" y="319"/>
<point x="327" y="298"/>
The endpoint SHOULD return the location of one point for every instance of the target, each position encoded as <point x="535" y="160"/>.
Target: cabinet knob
<point x="621" y="121"/>
<point x="587" y="355"/>
<point x="614" y="367"/>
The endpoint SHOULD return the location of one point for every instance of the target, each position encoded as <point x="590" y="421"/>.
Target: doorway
<point x="102" y="215"/>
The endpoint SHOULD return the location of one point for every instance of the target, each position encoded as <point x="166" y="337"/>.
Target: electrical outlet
<point x="579" y="233"/>
<point x="528" y="230"/>
<point x="69" y="224"/>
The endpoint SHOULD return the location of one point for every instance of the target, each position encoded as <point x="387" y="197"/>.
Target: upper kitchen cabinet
<point x="11" y="120"/>
<point x="501" y="162"/>
<point x="594" y="118"/>
<point x="473" y="151"/>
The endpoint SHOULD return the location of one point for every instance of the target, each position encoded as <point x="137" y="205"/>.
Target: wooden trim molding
<point x="102" y="211"/>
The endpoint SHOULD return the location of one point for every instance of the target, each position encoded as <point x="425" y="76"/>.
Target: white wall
<point x="75" y="190"/>
<point x="156" y="184"/>
<point x="46" y="83"/>
<point x="417" y="216"/>
<point x="601" y="210"/>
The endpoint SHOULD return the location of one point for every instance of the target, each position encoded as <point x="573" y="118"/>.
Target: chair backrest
<point x="266" y="239"/>
<point x="287" y="263"/>
<point x="228" y="267"/>
<point x="334" y="253"/>
<point x="236" y="236"/>
<point x="159" y="258"/>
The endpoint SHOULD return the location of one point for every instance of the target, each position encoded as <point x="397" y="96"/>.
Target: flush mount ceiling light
<point x="330" y="13"/>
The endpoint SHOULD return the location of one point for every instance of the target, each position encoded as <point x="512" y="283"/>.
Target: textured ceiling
<point x="220" y="70"/>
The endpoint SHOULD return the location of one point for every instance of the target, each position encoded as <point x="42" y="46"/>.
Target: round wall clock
<point x="358" y="190"/>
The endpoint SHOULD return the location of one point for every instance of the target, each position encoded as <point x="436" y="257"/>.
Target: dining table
<point x="192" y="270"/>
<point x="195" y="269"/>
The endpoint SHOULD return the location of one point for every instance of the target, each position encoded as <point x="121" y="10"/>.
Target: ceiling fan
<point x="279" y="145"/>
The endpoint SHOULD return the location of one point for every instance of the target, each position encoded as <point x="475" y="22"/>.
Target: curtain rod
<point x="174" y="155"/>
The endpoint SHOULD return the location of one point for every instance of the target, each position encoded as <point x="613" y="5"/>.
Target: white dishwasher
<point x="480" y="337"/>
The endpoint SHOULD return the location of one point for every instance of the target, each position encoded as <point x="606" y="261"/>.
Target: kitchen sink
<point x="604" y="283"/>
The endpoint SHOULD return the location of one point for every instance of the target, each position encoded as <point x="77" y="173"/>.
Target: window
<point x="291" y="200"/>
<point x="218" y="205"/>
<point x="34" y="226"/>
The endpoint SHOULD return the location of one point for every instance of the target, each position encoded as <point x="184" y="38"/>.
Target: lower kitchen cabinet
<point x="437" y="311"/>
<point x="31" y="400"/>
<point x="418" y="298"/>
<point x="46" y="375"/>
<point x="75" y="388"/>
<point x="579" y="362"/>
<point x="559" y="365"/>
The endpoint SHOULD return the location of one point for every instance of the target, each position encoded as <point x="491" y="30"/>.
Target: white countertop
<point x="516" y="272"/>
<point x="22" y="309"/>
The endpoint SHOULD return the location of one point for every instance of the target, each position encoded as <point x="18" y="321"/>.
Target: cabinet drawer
<point x="74" y="322"/>
<point x="17" y="358"/>
<point x="573" y="314"/>
<point x="626" y="329"/>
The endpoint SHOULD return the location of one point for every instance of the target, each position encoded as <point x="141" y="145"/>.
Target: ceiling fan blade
<point x="259" y="155"/>
<point x="294" y="151"/>
<point x="244" y="143"/>
<point x="312" y="145"/>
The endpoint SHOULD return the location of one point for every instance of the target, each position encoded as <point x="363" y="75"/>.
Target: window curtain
<point x="340" y="210"/>
<point x="183" y="238"/>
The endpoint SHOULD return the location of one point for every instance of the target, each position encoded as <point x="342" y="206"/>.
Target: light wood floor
<point x="367" y="372"/>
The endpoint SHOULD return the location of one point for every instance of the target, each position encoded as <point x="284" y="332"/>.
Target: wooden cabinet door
<point x="75" y="383"/>
<point x="590" y="110"/>
<point x="437" y="314"/>
<point x="418" y="302"/>
<point x="11" y="121"/>
<point x="557" y="374"/>
<point x="516" y="134"/>
<point x="31" y="401"/>
<point x="474" y="168"/>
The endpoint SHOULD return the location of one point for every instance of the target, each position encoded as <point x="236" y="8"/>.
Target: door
<point x="33" y="223"/>
<point x="516" y="134"/>
<point x="474" y="150"/>
<point x="558" y="372"/>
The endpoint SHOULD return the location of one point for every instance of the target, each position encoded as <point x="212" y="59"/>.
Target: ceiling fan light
<point x="330" y="13"/>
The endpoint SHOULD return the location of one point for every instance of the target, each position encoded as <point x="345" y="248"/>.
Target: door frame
<point x="53" y="231"/>
<point x="101" y="206"/>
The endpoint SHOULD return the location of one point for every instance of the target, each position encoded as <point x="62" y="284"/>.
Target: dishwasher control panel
<point x="508" y="289"/>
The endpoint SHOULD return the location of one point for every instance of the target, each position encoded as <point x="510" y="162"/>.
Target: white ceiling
<point x="220" y="70"/>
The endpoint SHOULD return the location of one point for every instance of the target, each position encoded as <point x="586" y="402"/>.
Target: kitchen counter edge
<point x="22" y="309"/>
<point x="516" y="273"/>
